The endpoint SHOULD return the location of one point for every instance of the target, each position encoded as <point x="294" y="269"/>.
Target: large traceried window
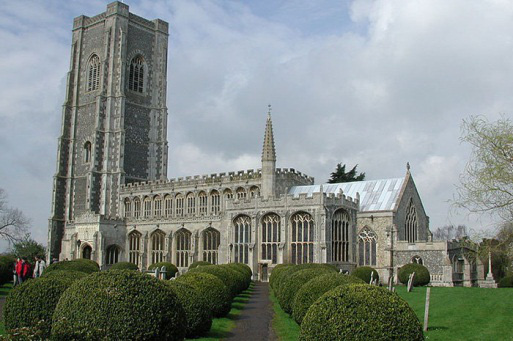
<point x="215" y="202"/>
<point x="147" y="207"/>
<point x="134" y="247"/>
<point x="158" y="244"/>
<point x="112" y="255"/>
<point x="93" y="73"/>
<point x="242" y="238"/>
<point x="270" y="237"/>
<point x="157" y="206"/>
<point x="128" y="208"/>
<point x="179" y="205"/>
<point x="202" y="198"/>
<point x="410" y="228"/>
<point x="136" y="74"/>
<point x="168" y="206"/>
<point x="191" y="204"/>
<point x="367" y="246"/>
<point x="211" y="240"/>
<point x="302" y="238"/>
<point x="340" y="236"/>
<point x="137" y="207"/>
<point x="183" y="247"/>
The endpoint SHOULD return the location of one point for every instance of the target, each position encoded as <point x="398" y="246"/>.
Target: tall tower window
<point x="211" y="240"/>
<point x="93" y="73"/>
<point x="302" y="238"/>
<point x="136" y="74"/>
<point x="410" y="228"/>
<point x="340" y="237"/>
<point x="87" y="152"/>
<point x="367" y="247"/>
<point x="183" y="248"/>
<point x="270" y="237"/>
<point x="242" y="238"/>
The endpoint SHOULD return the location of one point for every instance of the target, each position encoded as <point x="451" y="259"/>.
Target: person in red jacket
<point x="23" y="270"/>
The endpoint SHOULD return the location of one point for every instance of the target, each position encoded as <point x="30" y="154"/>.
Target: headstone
<point x="157" y="272"/>
<point x="390" y="283"/>
<point x="426" y="309"/>
<point x="410" y="281"/>
<point x="163" y="272"/>
<point x="372" y="277"/>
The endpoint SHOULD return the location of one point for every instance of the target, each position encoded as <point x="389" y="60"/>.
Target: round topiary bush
<point x="75" y="275"/>
<point x="243" y="271"/>
<point x="315" y="288"/>
<point x="276" y="272"/>
<point x="118" y="305"/>
<point x="291" y="270"/>
<point x="84" y="265"/>
<point x="421" y="277"/>
<point x="360" y="312"/>
<point x="31" y="304"/>
<point x="223" y="274"/>
<point x="211" y="290"/>
<point x="506" y="282"/>
<point x="171" y="269"/>
<point x="6" y="267"/>
<point x="124" y="266"/>
<point x="243" y="267"/>
<point x="199" y="263"/>
<point x="240" y="278"/>
<point x="199" y="317"/>
<point x="364" y="273"/>
<point x="294" y="282"/>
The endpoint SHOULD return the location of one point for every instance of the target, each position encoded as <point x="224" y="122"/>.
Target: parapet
<point x="291" y="173"/>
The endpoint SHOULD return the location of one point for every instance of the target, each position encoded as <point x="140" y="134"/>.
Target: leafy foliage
<point x="171" y="269"/>
<point x="340" y="175"/>
<point x="84" y="265"/>
<point x="119" y="305"/>
<point x="282" y="277"/>
<point x="277" y="271"/>
<point x="124" y="266"/>
<point x="198" y="263"/>
<point x="75" y="275"/>
<point x="13" y="223"/>
<point x="360" y="312"/>
<point x="506" y="282"/>
<point x="364" y="273"/>
<point x="28" y="248"/>
<point x="234" y="284"/>
<point x="421" y="277"/>
<point x="6" y="268"/>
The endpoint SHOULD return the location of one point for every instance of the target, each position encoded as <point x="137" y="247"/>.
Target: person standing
<point x="15" y="279"/>
<point x="39" y="267"/>
<point x="23" y="270"/>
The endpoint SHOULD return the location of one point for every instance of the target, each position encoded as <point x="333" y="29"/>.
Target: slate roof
<point x="375" y="195"/>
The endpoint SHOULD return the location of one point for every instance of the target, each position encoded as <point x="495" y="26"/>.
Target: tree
<point x="340" y="175"/>
<point x="13" y="224"/>
<point x="29" y="248"/>
<point x="487" y="182"/>
<point x="449" y="232"/>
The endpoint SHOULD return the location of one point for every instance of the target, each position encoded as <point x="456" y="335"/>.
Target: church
<point x="112" y="200"/>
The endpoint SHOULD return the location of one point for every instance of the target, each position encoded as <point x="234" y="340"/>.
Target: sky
<point x="373" y="83"/>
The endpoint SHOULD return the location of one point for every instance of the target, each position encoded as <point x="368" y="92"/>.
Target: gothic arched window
<point x="215" y="202"/>
<point x="134" y="247"/>
<point x="136" y="74"/>
<point x="340" y="237"/>
<point x="168" y="206"/>
<point x="157" y="246"/>
<point x="302" y="238"/>
<point x="179" y="205"/>
<point x="202" y="198"/>
<point x="254" y="192"/>
<point x="112" y="255"/>
<point x="157" y="206"/>
<point x="242" y="238"/>
<point x="417" y="259"/>
<point x="93" y="73"/>
<point x="270" y="237"/>
<point x="137" y="207"/>
<point x="410" y="227"/>
<point x="211" y="240"/>
<point x="147" y="207"/>
<point x="128" y="208"/>
<point x="87" y="152"/>
<point x="183" y="248"/>
<point x="191" y="204"/>
<point x="241" y="193"/>
<point x="367" y="246"/>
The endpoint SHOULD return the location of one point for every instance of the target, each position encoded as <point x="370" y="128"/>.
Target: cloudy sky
<point x="373" y="83"/>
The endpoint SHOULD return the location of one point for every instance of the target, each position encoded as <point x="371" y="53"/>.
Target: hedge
<point x="199" y="317"/>
<point x="199" y="263"/>
<point x="124" y="266"/>
<point x="211" y="290"/>
<point x="506" y="282"/>
<point x="75" y="275"/>
<point x="276" y="272"/>
<point x="243" y="267"/>
<point x="6" y="268"/>
<point x="118" y="305"/>
<point x="294" y="282"/>
<point x="364" y="273"/>
<point x="225" y="275"/>
<point x="84" y="265"/>
<point x="360" y="312"/>
<point x="421" y="277"/>
<point x="291" y="270"/>
<point x="240" y="277"/>
<point x="31" y="304"/>
<point x="315" y="288"/>
<point x="171" y="269"/>
<point x="246" y="272"/>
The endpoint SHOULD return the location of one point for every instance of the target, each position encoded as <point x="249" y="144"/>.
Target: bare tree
<point x="13" y="224"/>
<point x="449" y="232"/>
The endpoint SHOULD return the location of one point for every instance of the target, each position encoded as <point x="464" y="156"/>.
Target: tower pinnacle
<point x="269" y="151"/>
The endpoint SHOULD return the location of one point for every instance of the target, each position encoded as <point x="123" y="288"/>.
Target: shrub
<point x="360" y="312"/>
<point x="118" y="305"/>
<point x="199" y="317"/>
<point x="124" y="266"/>
<point x="276" y="273"/>
<point x="75" y="275"/>
<point x="211" y="290"/>
<point x="84" y="265"/>
<point x="421" y="277"/>
<point x="199" y="263"/>
<point x="243" y="267"/>
<point x="241" y="277"/>
<point x="364" y="273"/>
<point x="294" y="282"/>
<point x="315" y="288"/>
<point x="224" y="274"/>
<point x="6" y="267"/>
<point x="506" y="282"/>
<point x="171" y="269"/>
<point x="291" y="270"/>
<point x="31" y="304"/>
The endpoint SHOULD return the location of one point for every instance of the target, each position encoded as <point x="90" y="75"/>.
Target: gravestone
<point x="410" y="281"/>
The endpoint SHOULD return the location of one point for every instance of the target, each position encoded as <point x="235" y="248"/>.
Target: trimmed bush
<point x="291" y="270"/>
<point x="124" y="266"/>
<point x="31" y="304"/>
<point x="364" y="273"/>
<point x="294" y="282"/>
<point x="315" y="288"/>
<point x="277" y="272"/>
<point x="360" y="312"/>
<point x="244" y="268"/>
<point x="118" y="305"/>
<point x="84" y="265"/>
<point x="171" y="269"/>
<point x="421" y="278"/>
<point x="224" y="274"/>
<point x="240" y="276"/>
<point x="211" y="290"/>
<point x="506" y="282"/>
<point x="6" y="267"/>
<point x="75" y="275"/>
<point x="199" y="317"/>
<point x="199" y="263"/>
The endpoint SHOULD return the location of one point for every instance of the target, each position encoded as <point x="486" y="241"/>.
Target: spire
<point x="269" y="152"/>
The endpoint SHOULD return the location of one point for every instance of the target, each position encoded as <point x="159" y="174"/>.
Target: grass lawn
<point x="4" y="290"/>
<point x="464" y="313"/>
<point x="284" y="326"/>
<point x="221" y="326"/>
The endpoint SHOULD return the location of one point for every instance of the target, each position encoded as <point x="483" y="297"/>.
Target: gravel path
<point x="254" y="322"/>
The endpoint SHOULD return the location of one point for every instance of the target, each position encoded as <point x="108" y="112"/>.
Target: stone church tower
<point x="114" y="120"/>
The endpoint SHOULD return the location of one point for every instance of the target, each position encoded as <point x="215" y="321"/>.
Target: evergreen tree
<point x="340" y="175"/>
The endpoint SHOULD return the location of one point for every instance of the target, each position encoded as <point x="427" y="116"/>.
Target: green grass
<point x="284" y="326"/>
<point x="221" y="326"/>
<point x="464" y="313"/>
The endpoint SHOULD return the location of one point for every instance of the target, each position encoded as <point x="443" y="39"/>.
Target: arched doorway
<point x="86" y="252"/>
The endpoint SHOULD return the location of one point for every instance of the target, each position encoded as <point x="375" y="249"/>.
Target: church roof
<point x="375" y="195"/>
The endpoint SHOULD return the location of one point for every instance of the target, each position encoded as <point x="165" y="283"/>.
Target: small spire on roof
<point x="269" y="152"/>
<point x="408" y="166"/>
